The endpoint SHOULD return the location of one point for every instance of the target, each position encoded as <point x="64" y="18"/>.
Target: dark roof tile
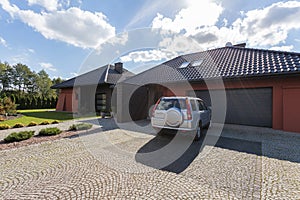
<point x="226" y="62"/>
<point x="102" y="75"/>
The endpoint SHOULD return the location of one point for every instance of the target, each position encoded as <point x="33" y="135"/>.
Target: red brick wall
<point x="67" y="100"/>
<point x="291" y="109"/>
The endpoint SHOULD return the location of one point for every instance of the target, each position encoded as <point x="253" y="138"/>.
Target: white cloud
<point x="150" y="8"/>
<point x="282" y="48"/>
<point x="74" y="74"/>
<point x="120" y="39"/>
<point x="73" y="26"/>
<point x="266" y="27"/>
<point x="50" y="5"/>
<point x="65" y="3"/>
<point x="31" y="50"/>
<point x="190" y="19"/>
<point x="3" y="42"/>
<point x="271" y="25"/>
<point x="147" y="56"/>
<point x="180" y="44"/>
<point x="20" y="58"/>
<point x="47" y="66"/>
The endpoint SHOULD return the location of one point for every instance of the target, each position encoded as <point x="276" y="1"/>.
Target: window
<point x="101" y="102"/>
<point x="184" y="65"/>
<point x="202" y="105"/>
<point x="193" y="104"/>
<point x="166" y="104"/>
<point x="197" y="63"/>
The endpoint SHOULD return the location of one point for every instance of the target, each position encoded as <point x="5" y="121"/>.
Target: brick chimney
<point x="119" y="67"/>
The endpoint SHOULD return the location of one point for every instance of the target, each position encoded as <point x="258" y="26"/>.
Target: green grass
<point x="41" y="115"/>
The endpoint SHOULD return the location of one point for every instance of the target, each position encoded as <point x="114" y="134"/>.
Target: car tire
<point x="198" y="132"/>
<point x="208" y="125"/>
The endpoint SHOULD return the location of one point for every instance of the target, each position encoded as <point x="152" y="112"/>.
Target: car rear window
<point x="194" y="108"/>
<point x="166" y="104"/>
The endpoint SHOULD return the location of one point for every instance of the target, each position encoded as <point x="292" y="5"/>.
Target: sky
<point x="69" y="37"/>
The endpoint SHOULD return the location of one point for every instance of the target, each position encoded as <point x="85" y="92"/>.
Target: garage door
<point x="244" y="106"/>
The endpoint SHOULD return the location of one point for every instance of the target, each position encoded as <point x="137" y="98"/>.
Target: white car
<point x="181" y="113"/>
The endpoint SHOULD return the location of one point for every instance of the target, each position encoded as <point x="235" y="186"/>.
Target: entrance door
<point x="101" y="104"/>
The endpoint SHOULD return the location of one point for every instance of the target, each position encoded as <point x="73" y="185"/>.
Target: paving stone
<point x="103" y="165"/>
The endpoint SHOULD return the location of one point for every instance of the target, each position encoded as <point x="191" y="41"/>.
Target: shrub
<point x="16" y="137"/>
<point x="4" y="126"/>
<point x="45" y="123"/>
<point x="18" y="125"/>
<point x="7" y="106"/>
<point x="32" y="124"/>
<point x="55" y="122"/>
<point x="50" y="131"/>
<point x="79" y="127"/>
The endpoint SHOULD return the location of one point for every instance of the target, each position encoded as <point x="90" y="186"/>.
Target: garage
<point x="262" y="86"/>
<point x="251" y="106"/>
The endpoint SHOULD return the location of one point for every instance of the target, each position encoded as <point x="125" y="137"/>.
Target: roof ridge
<point x="106" y="73"/>
<point x="267" y="50"/>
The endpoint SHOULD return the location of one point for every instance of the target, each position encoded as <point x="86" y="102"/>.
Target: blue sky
<point x="68" y="37"/>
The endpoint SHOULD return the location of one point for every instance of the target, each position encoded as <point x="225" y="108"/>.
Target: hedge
<point x="49" y="131"/>
<point x="4" y="126"/>
<point x="19" y="136"/>
<point x="79" y="127"/>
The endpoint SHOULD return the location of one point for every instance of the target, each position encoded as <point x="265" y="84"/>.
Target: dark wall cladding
<point x="138" y="104"/>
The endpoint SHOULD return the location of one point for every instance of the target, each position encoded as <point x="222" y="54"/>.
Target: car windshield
<point x="166" y="104"/>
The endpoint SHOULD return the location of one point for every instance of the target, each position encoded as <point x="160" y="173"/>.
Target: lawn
<point x="39" y="116"/>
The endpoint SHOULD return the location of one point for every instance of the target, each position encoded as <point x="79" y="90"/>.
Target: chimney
<point x="119" y="67"/>
<point x="228" y="44"/>
<point x="242" y="45"/>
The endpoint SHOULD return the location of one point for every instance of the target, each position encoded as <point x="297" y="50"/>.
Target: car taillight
<point x="154" y="108"/>
<point x="188" y="110"/>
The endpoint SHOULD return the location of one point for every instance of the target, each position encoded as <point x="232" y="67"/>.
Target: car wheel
<point x="198" y="132"/>
<point x="160" y="132"/>
<point x="208" y="125"/>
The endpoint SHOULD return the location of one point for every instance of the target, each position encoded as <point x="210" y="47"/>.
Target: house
<point x="261" y="87"/>
<point x="91" y="91"/>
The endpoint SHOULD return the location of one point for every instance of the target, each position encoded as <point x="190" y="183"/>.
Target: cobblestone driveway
<point x="267" y="167"/>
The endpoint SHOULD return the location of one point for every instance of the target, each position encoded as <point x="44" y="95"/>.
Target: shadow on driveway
<point x="284" y="148"/>
<point x="193" y="150"/>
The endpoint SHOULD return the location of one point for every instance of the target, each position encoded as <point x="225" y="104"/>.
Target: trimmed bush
<point x="55" y="122"/>
<point x="45" y="123"/>
<point x="50" y="131"/>
<point x="18" y="125"/>
<point x="16" y="137"/>
<point x="32" y="124"/>
<point x="7" y="106"/>
<point x="4" y="126"/>
<point x="79" y="127"/>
